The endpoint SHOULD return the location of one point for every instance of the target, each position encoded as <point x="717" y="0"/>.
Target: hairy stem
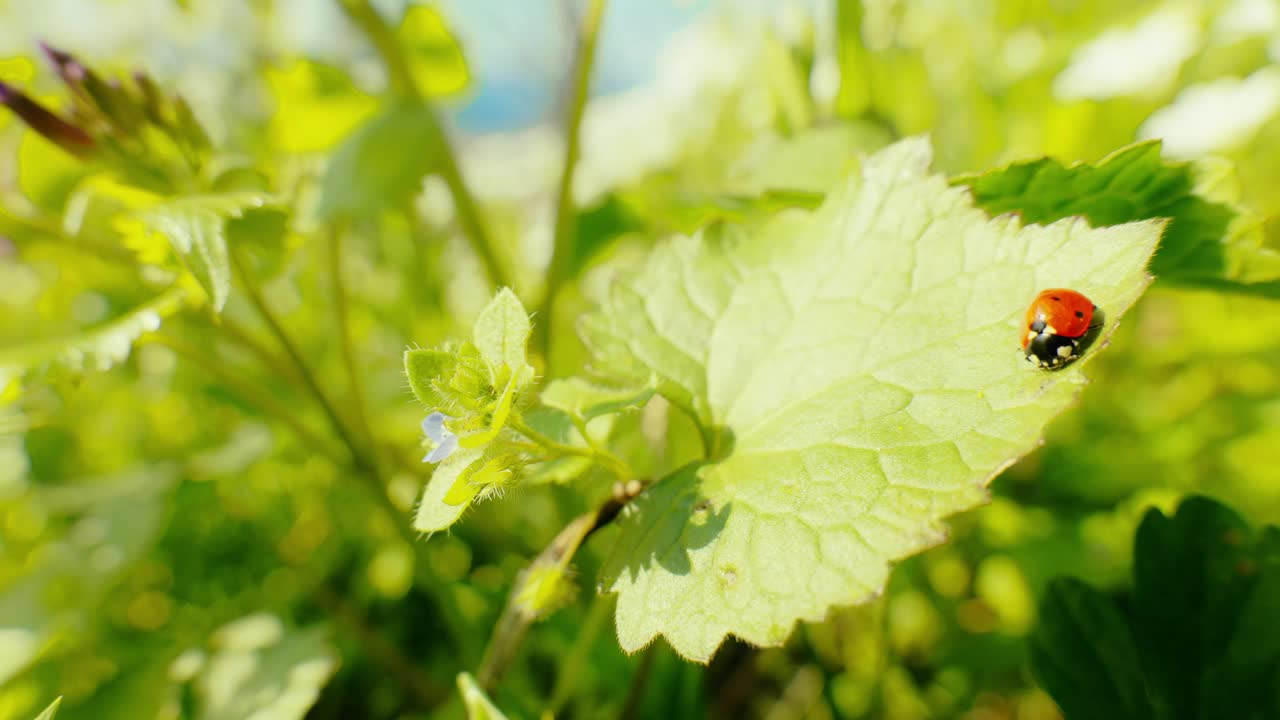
<point x="362" y="460"/>
<point x="366" y="17"/>
<point x="514" y="623"/>
<point x="566" y="216"/>
<point x="613" y="463"/>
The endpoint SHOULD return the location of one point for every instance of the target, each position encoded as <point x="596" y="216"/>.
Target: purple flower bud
<point x="58" y="131"/>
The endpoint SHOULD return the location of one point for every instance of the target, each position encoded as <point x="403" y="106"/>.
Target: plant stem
<point x="566" y="216"/>
<point x="364" y="15"/>
<point x="304" y="371"/>
<point x="615" y="464"/>
<point x="238" y="333"/>
<point x="512" y="626"/>
<point x="597" y="617"/>
<point x="344" y="337"/>
<point x="266" y="403"/>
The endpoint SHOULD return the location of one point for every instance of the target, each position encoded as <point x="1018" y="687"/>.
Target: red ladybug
<point x="1057" y="321"/>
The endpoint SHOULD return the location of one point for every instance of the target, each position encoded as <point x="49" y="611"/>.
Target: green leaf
<point x="435" y="512"/>
<point x="1202" y="628"/>
<point x="434" y="55"/>
<point x="1193" y="576"/>
<point x="98" y="348"/>
<point x="857" y="374"/>
<point x="316" y="106"/>
<point x="583" y="399"/>
<point x="1083" y="653"/>
<point x="501" y="335"/>
<point x="382" y="163"/>
<point x="478" y="704"/>
<point x="425" y="367"/>
<point x="289" y="668"/>
<point x="195" y="227"/>
<point x="51" y="711"/>
<point x="1207" y="237"/>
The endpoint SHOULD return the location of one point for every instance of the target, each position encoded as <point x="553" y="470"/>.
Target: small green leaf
<point x="857" y="373"/>
<point x="583" y="399"/>
<point x="502" y="334"/>
<point x="425" y="367"/>
<point x="1209" y="237"/>
<point x="1083" y="653"/>
<point x="51" y="711"/>
<point x="382" y="163"/>
<point x="478" y="704"/>
<point x="498" y="416"/>
<point x="435" y="512"/>
<point x="195" y="227"/>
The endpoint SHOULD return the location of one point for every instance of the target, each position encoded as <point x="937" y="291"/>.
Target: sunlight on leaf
<point x="196" y="229"/>
<point x="502" y="335"/>
<point x="434" y="55"/>
<point x="316" y="106"/>
<point x="434" y="511"/>
<point x="583" y="399"/>
<point x="858" y="369"/>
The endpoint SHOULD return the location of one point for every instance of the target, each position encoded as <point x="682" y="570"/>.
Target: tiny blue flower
<point x="446" y="442"/>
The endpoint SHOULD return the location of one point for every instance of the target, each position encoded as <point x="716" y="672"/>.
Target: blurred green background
<point x="180" y="532"/>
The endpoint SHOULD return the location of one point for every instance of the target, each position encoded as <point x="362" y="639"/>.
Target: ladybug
<point x="1057" y="322"/>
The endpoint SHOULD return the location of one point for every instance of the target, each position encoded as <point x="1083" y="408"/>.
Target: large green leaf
<point x="857" y="375"/>
<point x="382" y="163"/>
<point x="1084" y="654"/>
<point x="1200" y="640"/>
<point x="1207" y="239"/>
<point x="196" y="229"/>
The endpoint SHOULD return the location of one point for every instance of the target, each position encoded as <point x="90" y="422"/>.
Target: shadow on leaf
<point x="675" y="519"/>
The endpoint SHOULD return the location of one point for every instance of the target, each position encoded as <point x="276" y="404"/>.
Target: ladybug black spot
<point x="1057" y="299"/>
<point x="1079" y="314"/>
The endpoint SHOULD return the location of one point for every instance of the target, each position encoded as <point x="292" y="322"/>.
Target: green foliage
<point x="1199" y="638"/>
<point x="1135" y="184"/>
<point x="315" y="402"/>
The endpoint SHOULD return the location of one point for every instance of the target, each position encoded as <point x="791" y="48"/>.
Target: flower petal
<point x="443" y="450"/>
<point x="433" y="426"/>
